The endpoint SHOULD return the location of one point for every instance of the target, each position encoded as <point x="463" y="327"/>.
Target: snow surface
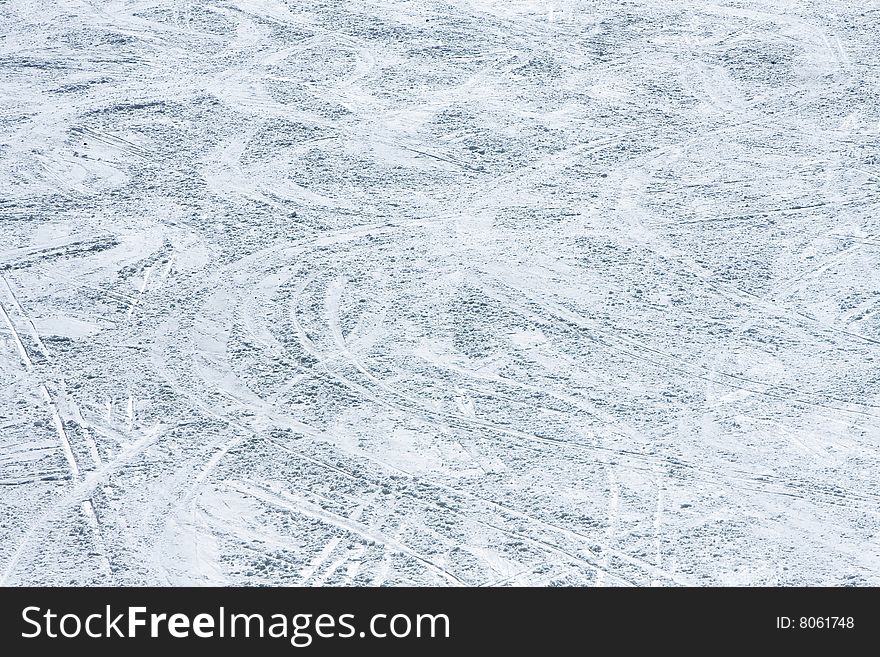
<point x="449" y="292"/>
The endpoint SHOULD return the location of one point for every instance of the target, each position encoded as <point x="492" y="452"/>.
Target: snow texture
<point x="463" y="292"/>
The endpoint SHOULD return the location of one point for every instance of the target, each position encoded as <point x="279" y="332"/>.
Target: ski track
<point x="472" y="293"/>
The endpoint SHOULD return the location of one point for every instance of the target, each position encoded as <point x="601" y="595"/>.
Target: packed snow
<point x="460" y="292"/>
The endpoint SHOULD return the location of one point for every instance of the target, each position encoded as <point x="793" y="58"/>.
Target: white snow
<point x="579" y="293"/>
